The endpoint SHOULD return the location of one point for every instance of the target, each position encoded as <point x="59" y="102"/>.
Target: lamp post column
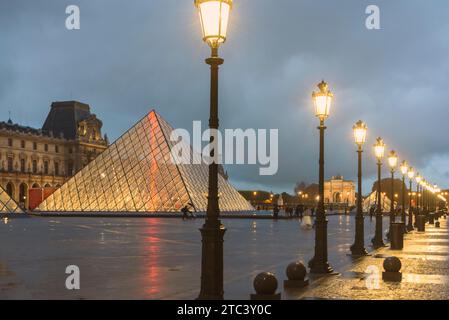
<point x="410" y="209"/>
<point x="378" y="239"/>
<point x="358" y="248"/>
<point x="212" y="231"/>
<point x="319" y="263"/>
<point x="392" y="213"/>
<point x="403" y="199"/>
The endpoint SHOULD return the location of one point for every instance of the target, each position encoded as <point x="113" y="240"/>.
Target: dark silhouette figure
<point x="276" y="211"/>
<point x="371" y="212"/>
<point x="185" y="212"/>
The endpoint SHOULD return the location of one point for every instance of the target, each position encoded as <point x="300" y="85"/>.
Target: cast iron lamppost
<point x="404" y="171"/>
<point x="322" y="101"/>
<point x="393" y="162"/>
<point x="379" y="152"/>
<point x="418" y="179"/>
<point x="411" y="174"/>
<point x="214" y="17"/>
<point x="358" y="248"/>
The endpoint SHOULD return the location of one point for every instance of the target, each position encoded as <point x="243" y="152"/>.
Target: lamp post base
<point x="321" y="267"/>
<point x="377" y="243"/>
<point x="358" y="250"/>
<point x="212" y="263"/>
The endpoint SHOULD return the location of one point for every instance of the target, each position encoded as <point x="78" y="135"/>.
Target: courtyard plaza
<point x="154" y="258"/>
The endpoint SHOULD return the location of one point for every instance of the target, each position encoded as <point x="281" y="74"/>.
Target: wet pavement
<point x="158" y="258"/>
<point x="425" y="272"/>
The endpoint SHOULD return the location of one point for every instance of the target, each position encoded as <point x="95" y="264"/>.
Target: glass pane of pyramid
<point x="136" y="174"/>
<point x="8" y="205"/>
<point x="196" y="176"/>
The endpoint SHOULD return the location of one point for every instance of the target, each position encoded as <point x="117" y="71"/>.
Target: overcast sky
<point x="132" y="56"/>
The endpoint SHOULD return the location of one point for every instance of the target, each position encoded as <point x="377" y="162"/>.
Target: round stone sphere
<point x="265" y="283"/>
<point x="392" y="264"/>
<point x="296" y="271"/>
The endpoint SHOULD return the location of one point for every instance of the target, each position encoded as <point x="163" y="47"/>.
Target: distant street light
<point x="404" y="171"/>
<point x="214" y="18"/>
<point x="322" y="101"/>
<point x="418" y="179"/>
<point x="358" y="248"/>
<point x="379" y="152"/>
<point x="411" y="174"/>
<point x="392" y="162"/>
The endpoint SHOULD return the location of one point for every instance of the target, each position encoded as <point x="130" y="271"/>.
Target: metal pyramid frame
<point x="7" y="204"/>
<point x="136" y="174"/>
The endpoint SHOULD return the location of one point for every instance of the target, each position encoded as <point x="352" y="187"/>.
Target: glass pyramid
<point x="8" y="205"/>
<point x="136" y="174"/>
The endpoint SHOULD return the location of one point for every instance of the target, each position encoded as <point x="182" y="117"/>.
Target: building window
<point x="34" y="166"/>
<point x="10" y="164"/>
<point x="9" y="142"/>
<point x="22" y="144"/>
<point x="22" y="165"/>
<point x="57" y="168"/>
<point x="57" y="149"/>
<point x="45" y="167"/>
<point x="46" y="147"/>
<point x="69" y="168"/>
<point x="70" y="150"/>
<point x="34" y="145"/>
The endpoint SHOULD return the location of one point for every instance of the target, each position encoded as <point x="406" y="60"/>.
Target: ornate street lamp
<point x="358" y="248"/>
<point x="379" y="152"/>
<point x="410" y="174"/>
<point x="404" y="171"/>
<point x="322" y="101"/>
<point x="418" y="180"/>
<point x="214" y="18"/>
<point x="392" y="162"/>
<point x="435" y="197"/>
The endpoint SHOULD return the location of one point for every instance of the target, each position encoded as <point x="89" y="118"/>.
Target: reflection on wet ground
<point x="152" y="258"/>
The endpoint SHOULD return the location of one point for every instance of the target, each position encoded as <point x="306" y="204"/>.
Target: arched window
<point x="23" y="193"/>
<point x="10" y="189"/>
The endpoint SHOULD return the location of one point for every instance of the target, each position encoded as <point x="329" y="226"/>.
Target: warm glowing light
<point x="418" y="178"/>
<point x="392" y="160"/>
<point x="214" y="18"/>
<point x="322" y="101"/>
<point x="404" y="167"/>
<point x="379" y="148"/>
<point x="411" y="173"/>
<point x="359" y="130"/>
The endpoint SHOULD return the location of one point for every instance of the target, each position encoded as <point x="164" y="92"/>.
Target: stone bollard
<point x="437" y="224"/>
<point x="421" y="223"/>
<point x="296" y="274"/>
<point x="392" y="266"/>
<point x="265" y="284"/>
<point x="396" y="235"/>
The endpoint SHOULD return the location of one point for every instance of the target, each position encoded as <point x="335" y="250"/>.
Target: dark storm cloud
<point x="131" y="56"/>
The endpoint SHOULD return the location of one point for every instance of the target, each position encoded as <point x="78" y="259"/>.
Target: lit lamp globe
<point x="214" y="18"/>
<point x="404" y="168"/>
<point x="411" y="173"/>
<point x="359" y="130"/>
<point x="392" y="160"/>
<point x="322" y="101"/>
<point x="418" y="178"/>
<point x="379" y="149"/>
